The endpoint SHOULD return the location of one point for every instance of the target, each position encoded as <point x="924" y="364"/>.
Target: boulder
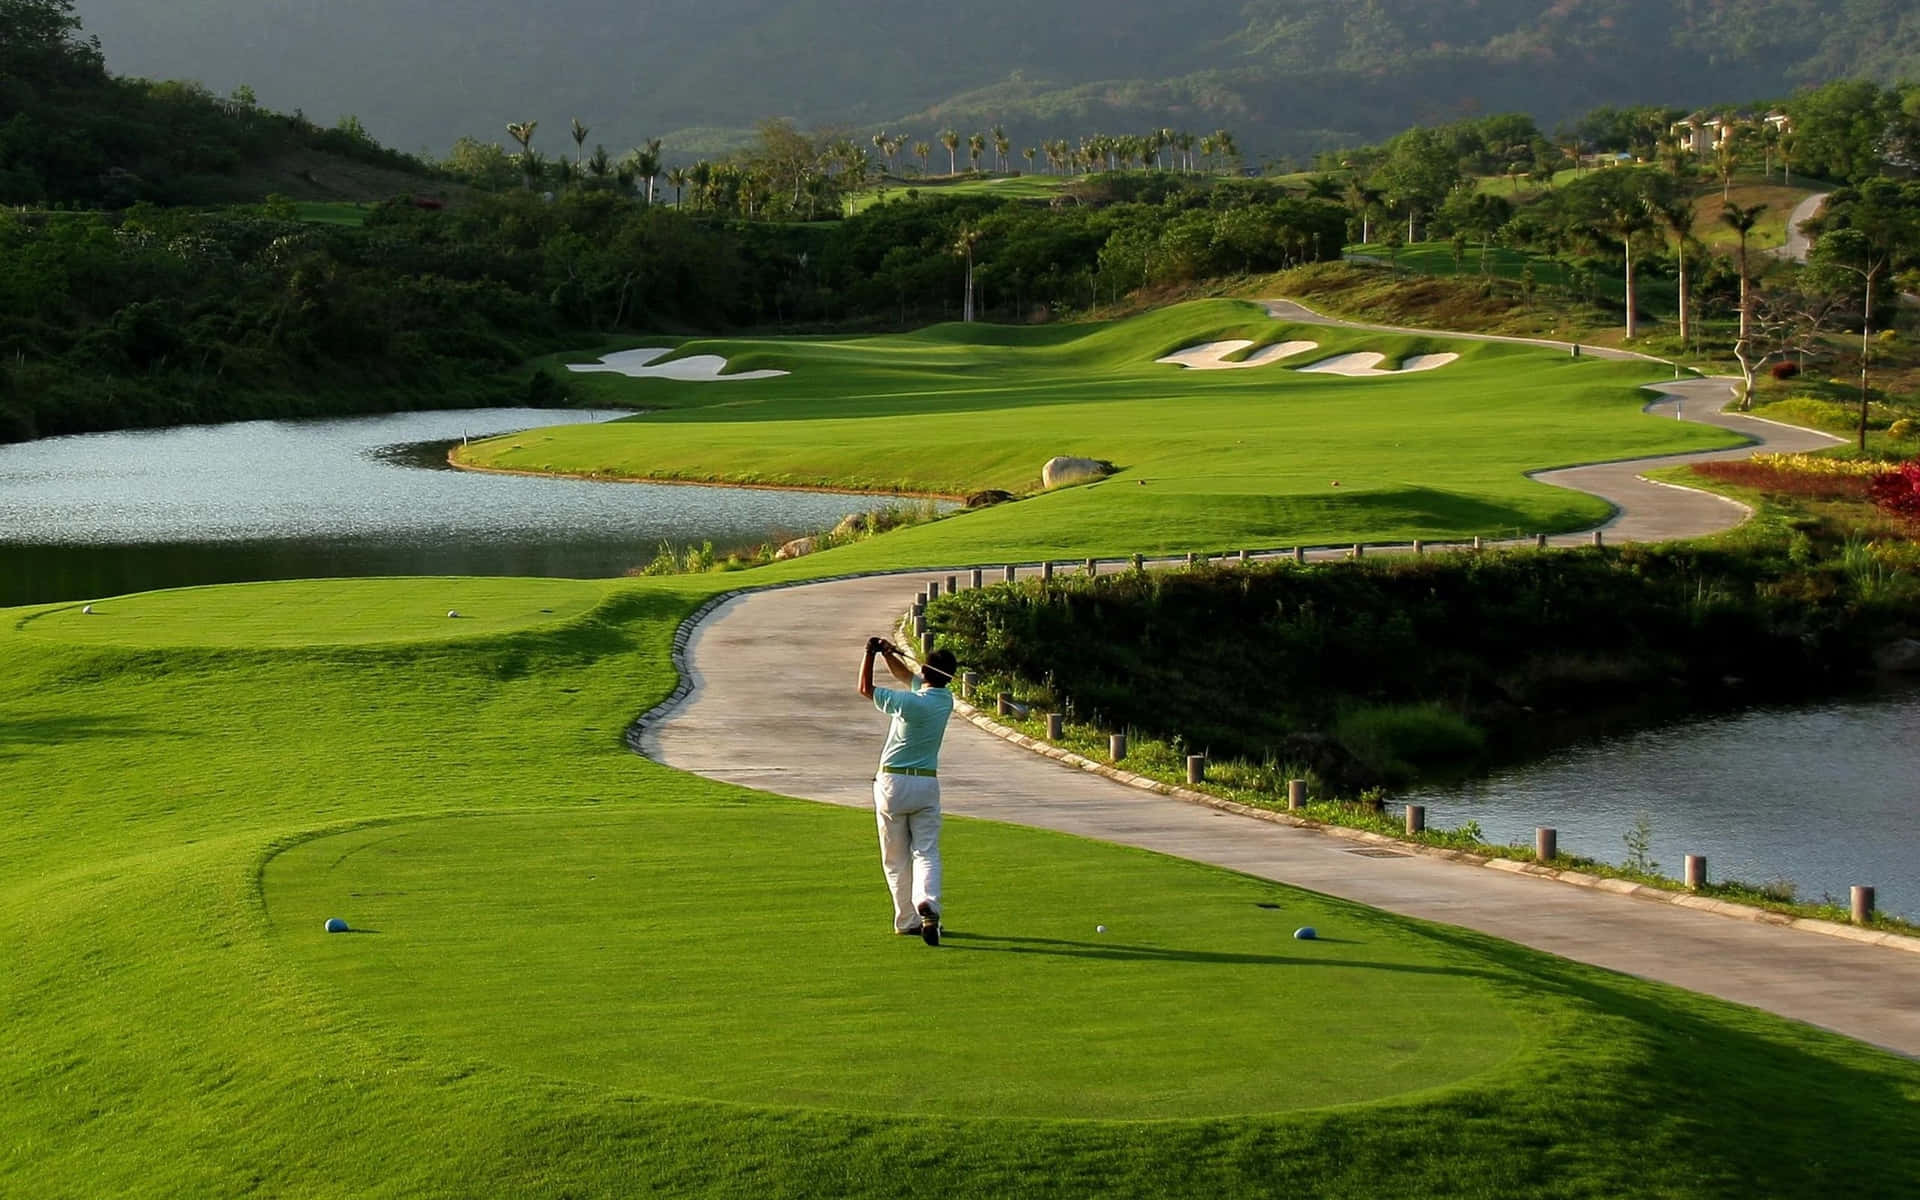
<point x="1062" y="470"/>
<point x="1902" y="656"/>
<point x="988" y="498"/>
<point x="795" y="548"/>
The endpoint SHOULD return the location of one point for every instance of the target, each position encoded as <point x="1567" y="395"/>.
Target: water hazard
<point x="1821" y="797"/>
<point x="103" y="514"/>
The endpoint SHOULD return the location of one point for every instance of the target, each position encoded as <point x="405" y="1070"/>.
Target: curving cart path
<point x="772" y="706"/>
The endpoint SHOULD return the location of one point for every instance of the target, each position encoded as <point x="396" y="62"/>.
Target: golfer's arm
<point x="901" y="672"/>
<point x="866" y="675"/>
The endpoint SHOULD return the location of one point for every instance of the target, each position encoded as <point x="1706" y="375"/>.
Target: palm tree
<point x="1184" y="142"/>
<point x="580" y="133"/>
<point x="677" y="180"/>
<point x="1164" y="141"/>
<point x="884" y="145"/>
<point x="963" y="245"/>
<point x="1030" y="153"/>
<point x="701" y="177"/>
<point x="951" y="141"/>
<point x="976" y="146"/>
<point x="522" y="132"/>
<point x="1676" y="213"/>
<point x="1364" y="201"/>
<point x="1002" y="149"/>
<point x="921" y="151"/>
<point x="1208" y="148"/>
<point x="1323" y="187"/>
<point x="1626" y="217"/>
<point x="1741" y="220"/>
<point x="600" y="166"/>
<point x="1223" y="141"/>
<point x="650" y="164"/>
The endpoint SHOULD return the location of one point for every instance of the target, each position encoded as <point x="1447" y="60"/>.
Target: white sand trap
<point x="1367" y="364"/>
<point x="698" y="368"/>
<point x="1212" y="356"/>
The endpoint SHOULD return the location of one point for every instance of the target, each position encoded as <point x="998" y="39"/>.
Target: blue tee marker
<point x="336" y="925"/>
<point x="1305" y="933"/>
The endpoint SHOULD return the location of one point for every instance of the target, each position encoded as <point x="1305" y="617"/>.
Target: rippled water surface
<point x="102" y="514"/>
<point x="1824" y="797"/>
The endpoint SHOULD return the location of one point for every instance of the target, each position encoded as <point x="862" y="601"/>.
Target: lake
<point x="104" y="514"/>
<point x="1823" y="796"/>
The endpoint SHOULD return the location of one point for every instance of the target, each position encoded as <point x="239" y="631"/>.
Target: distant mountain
<point x="1287" y="76"/>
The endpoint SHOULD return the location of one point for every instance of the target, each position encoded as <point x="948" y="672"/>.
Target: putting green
<point x="745" y="956"/>
<point x="335" y="613"/>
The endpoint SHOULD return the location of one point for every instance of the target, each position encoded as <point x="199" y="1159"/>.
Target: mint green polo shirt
<point x="919" y="723"/>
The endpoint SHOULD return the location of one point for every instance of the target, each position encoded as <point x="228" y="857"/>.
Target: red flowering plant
<point x="1898" y="491"/>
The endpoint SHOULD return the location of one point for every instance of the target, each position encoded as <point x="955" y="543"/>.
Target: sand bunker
<point x="698" y="368"/>
<point x="1368" y="364"/>
<point x="1212" y="356"/>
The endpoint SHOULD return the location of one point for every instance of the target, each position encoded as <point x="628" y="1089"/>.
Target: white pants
<point x="907" y="808"/>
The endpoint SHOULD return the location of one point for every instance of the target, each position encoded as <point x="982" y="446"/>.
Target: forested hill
<point x="1285" y="75"/>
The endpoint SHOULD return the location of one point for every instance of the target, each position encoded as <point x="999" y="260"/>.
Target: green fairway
<point x="1014" y="187"/>
<point x="1209" y="459"/>
<point x="588" y="975"/>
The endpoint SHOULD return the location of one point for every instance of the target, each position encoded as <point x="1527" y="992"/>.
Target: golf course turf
<point x="722" y="1010"/>
<point x="1209" y="460"/>
<point x="579" y="973"/>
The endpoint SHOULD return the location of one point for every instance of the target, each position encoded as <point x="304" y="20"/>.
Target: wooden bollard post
<point x="1419" y="547"/>
<point x="1546" y="843"/>
<point x="1598" y="541"/>
<point x="926" y="646"/>
<point x="1192" y="559"/>
<point x="933" y="589"/>
<point x="953" y="585"/>
<point x="1296" y="794"/>
<point x="919" y="602"/>
<point x="1245" y="558"/>
<point x="1540" y="541"/>
<point x="1053" y="727"/>
<point x="1116" y="746"/>
<point x="967" y="681"/>
<point x="1359" y="550"/>
<point x="1046" y="570"/>
<point x="1299" y="554"/>
<point x="1196" y="768"/>
<point x="976" y="579"/>
<point x="1696" y="871"/>
<point x="1860" y="894"/>
<point x="920" y="623"/>
<point x="1139" y="562"/>
<point x="1416" y="819"/>
<point x="1093" y="566"/>
<point x="1009" y="568"/>
<point x="1003" y="704"/>
<point x="1476" y="541"/>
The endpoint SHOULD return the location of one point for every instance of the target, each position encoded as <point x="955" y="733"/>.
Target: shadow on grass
<point x="1125" y="952"/>
<point x="62" y="730"/>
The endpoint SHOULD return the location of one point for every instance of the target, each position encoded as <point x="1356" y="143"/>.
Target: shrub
<point x="1785" y="370"/>
<point x="1394" y="738"/>
<point x="1898" y="491"/>
<point x="1903" y="429"/>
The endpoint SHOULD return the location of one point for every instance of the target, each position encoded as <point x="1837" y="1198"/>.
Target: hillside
<point x="1287" y="76"/>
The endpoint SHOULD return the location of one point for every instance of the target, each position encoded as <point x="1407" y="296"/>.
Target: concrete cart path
<point x="1798" y="244"/>
<point x="773" y="706"/>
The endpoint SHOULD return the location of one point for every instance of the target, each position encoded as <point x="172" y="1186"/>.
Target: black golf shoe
<point x="929" y="923"/>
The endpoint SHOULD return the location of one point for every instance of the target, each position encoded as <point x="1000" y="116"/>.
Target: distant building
<point x="1703" y="134"/>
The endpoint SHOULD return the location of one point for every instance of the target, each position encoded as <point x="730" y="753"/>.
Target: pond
<point x="104" y="514"/>
<point x="1822" y="797"/>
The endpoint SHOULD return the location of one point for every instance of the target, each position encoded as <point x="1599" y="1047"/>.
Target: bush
<point x="1903" y="429"/>
<point x="1785" y="370"/>
<point x="1394" y="739"/>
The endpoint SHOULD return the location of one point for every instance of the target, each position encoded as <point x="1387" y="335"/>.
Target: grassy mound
<point x="1210" y="459"/>
<point x="180" y="821"/>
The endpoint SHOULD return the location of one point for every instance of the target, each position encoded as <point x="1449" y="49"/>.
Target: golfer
<point x="906" y="791"/>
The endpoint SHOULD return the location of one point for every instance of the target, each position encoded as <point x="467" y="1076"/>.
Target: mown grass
<point x="1210" y="460"/>
<point x="586" y="975"/>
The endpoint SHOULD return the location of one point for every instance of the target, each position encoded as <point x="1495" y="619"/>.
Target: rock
<point x="1062" y="470"/>
<point x="795" y="548"/>
<point x="1902" y="656"/>
<point x="988" y="498"/>
<point x="850" y="525"/>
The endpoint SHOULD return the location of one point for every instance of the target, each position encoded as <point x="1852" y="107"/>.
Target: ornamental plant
<point x="1898" y="491"/>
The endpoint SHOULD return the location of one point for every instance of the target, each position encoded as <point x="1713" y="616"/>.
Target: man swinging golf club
<point x="906" y="791"/>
